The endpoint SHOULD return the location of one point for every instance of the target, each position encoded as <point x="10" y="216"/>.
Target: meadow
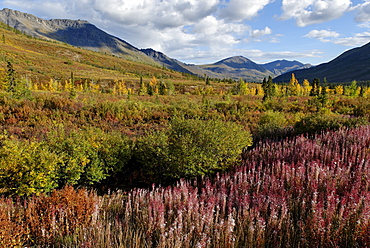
<point x="121" y="154"/>
<point x="297" y="192"/>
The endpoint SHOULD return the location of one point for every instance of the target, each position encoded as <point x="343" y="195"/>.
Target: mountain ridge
<point x="348" y="66"/>
<point x="81" y="33"/>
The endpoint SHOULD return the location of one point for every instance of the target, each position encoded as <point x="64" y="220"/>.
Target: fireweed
<point x="299" y="192"/>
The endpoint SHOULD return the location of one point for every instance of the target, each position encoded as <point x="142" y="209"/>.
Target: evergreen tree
<point x="143" y="89"/>
<point x="353" y="88"/>
<point x="323" y="96"/>
<point x="315" y="91"/>
<point x="268" y="89"/>
<point x="11" y="77"/>
<point x="162" y="88"/>
<point x="362" y="91"/>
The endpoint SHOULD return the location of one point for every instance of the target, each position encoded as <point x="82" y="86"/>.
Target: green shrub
<point x="326" y="121"/>
<point x="89" y="156"/>
<point x="27" y="167"/>
<point x="271" y="123"/>
<point x="190" y="148"/>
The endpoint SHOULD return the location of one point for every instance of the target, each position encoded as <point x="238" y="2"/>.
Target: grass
<point x="299" y="192"/>
<point x="35" y="58"/>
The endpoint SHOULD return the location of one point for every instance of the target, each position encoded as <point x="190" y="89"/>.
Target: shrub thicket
<point x="190" y="148"/>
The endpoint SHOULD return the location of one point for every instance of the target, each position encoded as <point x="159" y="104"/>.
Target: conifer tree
<point x="323" y="96"/>
<point x="143" y="89"/>
<point x="11" y="77"/>
<point x="315" y="91"/>
<point x="268" y="89"/>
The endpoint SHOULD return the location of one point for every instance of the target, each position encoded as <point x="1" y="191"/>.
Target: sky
<point x="206" y="31"/>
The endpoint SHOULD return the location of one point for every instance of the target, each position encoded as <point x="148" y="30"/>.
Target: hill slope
<point x="41" y="60"/>
<point x="77" y="33"/>
<point x="238" y="67"/>
<point x="350" y="65"/>
<point x="279" y="67"/>
<point x="85" y="35"/>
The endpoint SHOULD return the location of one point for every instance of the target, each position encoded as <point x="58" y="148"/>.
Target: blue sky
<point x="205" y="31"/>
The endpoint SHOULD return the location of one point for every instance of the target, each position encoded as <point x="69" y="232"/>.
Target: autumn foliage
<point x="298" y="192"/>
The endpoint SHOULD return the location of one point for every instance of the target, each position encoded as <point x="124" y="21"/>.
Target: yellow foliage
<point x="259" y="90"/>
<point x="27" y="167"/>
<point x="306" y="89"/>
<point x="294" y="87"/>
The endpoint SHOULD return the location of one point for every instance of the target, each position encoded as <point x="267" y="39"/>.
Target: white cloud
<point x="363" y="14"/>
<point x="258" y="33"/>
<point x="364" y="25"/>
<point x="307" y="12"/>
<point x="332" y="36"/>
<point x="322" y="35"/>
<point x="239" y="10"/>
<point x="192" y="31"/>
<point x="358" y="39"/>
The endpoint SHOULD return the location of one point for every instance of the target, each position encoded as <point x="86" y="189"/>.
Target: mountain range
<point x="85" y="35"/>
<point x="351" y="65"/>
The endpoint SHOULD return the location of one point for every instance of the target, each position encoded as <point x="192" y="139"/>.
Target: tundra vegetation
<point x="169" y="160"/>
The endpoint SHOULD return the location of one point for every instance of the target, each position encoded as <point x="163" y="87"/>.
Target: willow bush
<point x="190" y="148"/>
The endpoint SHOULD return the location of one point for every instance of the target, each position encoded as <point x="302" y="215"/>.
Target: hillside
<point x="350" y="65"/>
<point x="83" y="34"/>
<point x="238" y="67"/>
<point x="279" y="67"/>
<point x="77" y="33"/>
<point x="166" y="61"/>
<point x="41" y="60"/>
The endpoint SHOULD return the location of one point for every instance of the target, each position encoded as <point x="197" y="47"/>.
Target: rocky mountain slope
<point x="77" y="33"/>
<point x="83" y="34"/>
<point x="40" y="61"/>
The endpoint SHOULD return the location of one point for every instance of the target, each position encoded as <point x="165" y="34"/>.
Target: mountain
<point x="176" y="65"/>
<point x="350" y="65"/>
<point x="85" y="35"/>
<point x="40" y="61"/>
<point x="279" y="67"/>
<point x="166" y="61"/>
<point x="238" y="67"/>
<point x="77" y="33"/>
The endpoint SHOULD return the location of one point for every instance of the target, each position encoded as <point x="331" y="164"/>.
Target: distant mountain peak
<point x="235" y="60"/>
<point x="240" y="62"/>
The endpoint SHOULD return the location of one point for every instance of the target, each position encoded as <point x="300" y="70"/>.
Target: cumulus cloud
<point x="358" y="39"/>
<point x="363" y="14"/>
<point x="189" y="30"/>
<point x="322" y="35"/>
<point x="164" y="25"/>
<point x="258" y="33"/>
<point x="333" y="37"/>
<point x="156" y="13"/>
<point x="364" y="25"/>
<point x="307" y="12"/>
<point x="241" y="9"/>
